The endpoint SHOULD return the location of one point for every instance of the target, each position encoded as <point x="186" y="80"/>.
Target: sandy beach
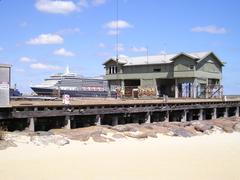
<point x="215" y="156"/>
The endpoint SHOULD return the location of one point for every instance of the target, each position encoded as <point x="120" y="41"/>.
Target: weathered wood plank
<point x="117" y="110"/>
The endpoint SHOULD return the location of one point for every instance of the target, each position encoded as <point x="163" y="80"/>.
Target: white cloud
<point x="19" y="70"/>
<point x="83" y="3"/>
<point x="120" y="47"/>
<point x="139" y="49"/>
<point x="44" y="66"/>
<point x="112" y="26"/>
<point x="46" y="39"/>
<point x="56" y="6"/>
<point x="212" y="29"/>
<point x="120" y="23"/>
<point x="163" y="52"/>
<point x="113" y="32"/>
<point x="63" y="52"/>
<point x="1" y="49"/>
<point x="65" y="6"/>
<point x="26" y="59"/>
<point x="103" y="54"/>
<point x="98" y="2"/>
<point x="101" y="45"/>
<point x="69" y="31"/>
<point x="24" y="24"/>
<point x="123" y="56"/>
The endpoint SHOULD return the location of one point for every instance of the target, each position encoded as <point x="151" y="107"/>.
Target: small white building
<point x="5" y="83"/>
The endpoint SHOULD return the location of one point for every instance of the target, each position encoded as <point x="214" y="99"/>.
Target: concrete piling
<point x="166" y="118"/>
<point x="148" y="118"/>
<point x="214" y="113"/>
<point x="200" y="115"/>
<point x="226" y="112"/>
<point x="98" y="120"/>
<point x="237" y="112"/>
<point x="67" y="122"/>
<point x="184" y="116"/>
<point x="32" y="124"/>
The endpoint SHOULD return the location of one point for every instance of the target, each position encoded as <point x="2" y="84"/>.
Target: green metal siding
<point x="148" y="82"/>
<point x="160" y="75"/>
<point x="201" y="80"/>
<point x="182" y="67"/>
<point x="182" y="74"/>
<point x="209" y="64"/>
<point x="183" y="63"/>
<point x="185" y="80"/>
<point x="147" y="68"/>
<point x="208" y="75"/>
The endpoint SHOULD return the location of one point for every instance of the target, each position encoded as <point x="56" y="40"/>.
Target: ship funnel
<point x="67" y="70"/>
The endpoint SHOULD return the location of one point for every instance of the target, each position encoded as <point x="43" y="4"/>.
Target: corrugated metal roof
<point x="158" y="59"/>
<point x="199" y="55"/>
<point x="5" y="65"/>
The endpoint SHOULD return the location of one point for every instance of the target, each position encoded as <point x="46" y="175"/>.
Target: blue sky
<point x="42" y="37"/>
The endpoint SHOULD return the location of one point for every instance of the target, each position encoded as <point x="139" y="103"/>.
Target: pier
<point x="43" y="115"/>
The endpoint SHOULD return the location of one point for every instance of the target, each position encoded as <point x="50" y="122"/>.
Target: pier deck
<point x="44" y="115"/>
<point x="111" y="101"/>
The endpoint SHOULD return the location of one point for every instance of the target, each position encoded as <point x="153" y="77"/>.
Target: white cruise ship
<point x="72" y="84"/>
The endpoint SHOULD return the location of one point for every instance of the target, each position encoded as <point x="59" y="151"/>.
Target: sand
<point x="208" y="157"/>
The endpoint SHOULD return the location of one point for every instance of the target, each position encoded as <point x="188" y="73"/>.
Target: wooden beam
<point x="115" y="110"/>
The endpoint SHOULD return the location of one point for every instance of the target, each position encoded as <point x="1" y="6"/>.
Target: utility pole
<point x="117" y="46"/>
<point x="117" y="32"/>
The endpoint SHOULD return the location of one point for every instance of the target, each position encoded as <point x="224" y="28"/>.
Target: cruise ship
<point x="73" y="85"/>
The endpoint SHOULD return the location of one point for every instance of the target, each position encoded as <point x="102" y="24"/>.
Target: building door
<point x="166" y="87"/>
<point x="130" y="85"/>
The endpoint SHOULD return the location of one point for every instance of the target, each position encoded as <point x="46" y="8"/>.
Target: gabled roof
<point x="162" y="58"/>
<point x="211" y="53"/>
<point x="120" y="61"/>
<point x="159" y="59"/>
<point x="194" y="55"/>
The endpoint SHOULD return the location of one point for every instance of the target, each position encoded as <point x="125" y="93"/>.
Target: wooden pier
<point x="44" y="115"/>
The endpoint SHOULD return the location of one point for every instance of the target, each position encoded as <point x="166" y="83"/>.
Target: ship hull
<point x="72" y="93"/>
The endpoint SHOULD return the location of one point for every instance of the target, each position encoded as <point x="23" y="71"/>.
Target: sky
<point x="41" y="37"/>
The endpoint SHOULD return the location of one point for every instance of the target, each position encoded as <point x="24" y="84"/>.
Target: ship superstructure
<point x="72" y="84"/>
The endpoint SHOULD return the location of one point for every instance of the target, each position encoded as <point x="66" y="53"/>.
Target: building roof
<point x="160" y="59"/>
<point x="5" y="65"/>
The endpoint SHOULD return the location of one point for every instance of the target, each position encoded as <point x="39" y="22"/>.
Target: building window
<point x="113" y="70"/>
<point x="210" y="61"/>
<point x="191" y="67"/>
<point x="157" y="70"/>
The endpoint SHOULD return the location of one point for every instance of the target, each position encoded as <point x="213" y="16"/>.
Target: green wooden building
<point x="193" y="75"/>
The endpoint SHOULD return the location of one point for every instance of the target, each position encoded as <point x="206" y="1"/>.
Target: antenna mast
<point x="165" y="52"/>
<point x="117" y="33"/>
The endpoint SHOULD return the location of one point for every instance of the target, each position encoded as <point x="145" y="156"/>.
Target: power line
<point x="117" y="31"/>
